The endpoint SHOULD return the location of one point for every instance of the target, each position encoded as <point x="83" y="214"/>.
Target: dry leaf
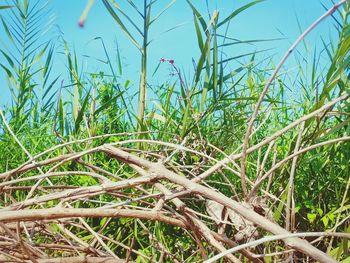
<point x="260" y="206"/>
<point x="245" y="229"/>
<point x="215" y="210"/>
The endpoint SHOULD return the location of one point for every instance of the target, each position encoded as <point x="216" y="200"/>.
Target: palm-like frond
<point x="28" y="58"/>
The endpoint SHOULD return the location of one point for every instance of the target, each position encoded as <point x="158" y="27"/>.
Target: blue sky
<point x="269" y="19"/>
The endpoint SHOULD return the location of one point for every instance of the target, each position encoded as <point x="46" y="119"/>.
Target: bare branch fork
<point x="250" y="215"/>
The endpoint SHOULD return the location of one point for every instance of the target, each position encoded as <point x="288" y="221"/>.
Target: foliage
<point x="192" y="125"/>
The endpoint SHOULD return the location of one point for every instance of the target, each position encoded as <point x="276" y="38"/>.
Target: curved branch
<point x="273" y="238"/>
<point x="279" y="164"/>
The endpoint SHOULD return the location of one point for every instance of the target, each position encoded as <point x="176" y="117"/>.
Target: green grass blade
<point x="5" y="6"/>
<point x="120" y="23"/>
<point x="237" y="12"/>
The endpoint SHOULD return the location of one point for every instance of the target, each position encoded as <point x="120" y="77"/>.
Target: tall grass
<point x="223" y="158"/>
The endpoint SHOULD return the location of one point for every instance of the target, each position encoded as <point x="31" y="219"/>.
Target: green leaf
<point x="119" y="61"/>
<point x="103" y="221"/>
<point x="325" y="221"/>
<point x="215" y="66"/>
<point x="9" y="60"/>
<point x="199" y="16"/>
<point x="106" y="104"/>
<point x="8" y="72"/>
<point x="279" y="210"/>
<point x="202" y="59"/>
<point x="156" y="69"/>
<point x="162" y="11"/>
<point x="198" y="32"/>
<point x="6" y="6"/>
<point x="61" y="116"/>
<point x="120" y="23"/>
<point x="7" y="30"/>
<point x="311" y="217"/>
<point x="238" y="11"/>
<point x="81" y="113"/>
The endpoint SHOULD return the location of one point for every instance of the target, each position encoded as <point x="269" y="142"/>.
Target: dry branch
<point x="59" y="213"/>
<point x="162" y="172"/>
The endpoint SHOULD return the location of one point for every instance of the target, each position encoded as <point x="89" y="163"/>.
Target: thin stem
<point x="279" y="164"/>
<point x="58" y="213"/>
<point x="290" y="198"/>
<point x="143" y="77"/>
